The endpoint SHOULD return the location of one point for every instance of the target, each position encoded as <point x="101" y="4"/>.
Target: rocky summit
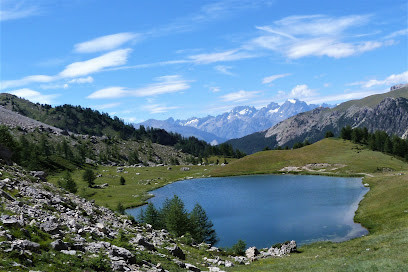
<point x="44" y="228"/>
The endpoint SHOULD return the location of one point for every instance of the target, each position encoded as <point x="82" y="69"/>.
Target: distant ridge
<point x="388" y="112"/>
<point x="238" y="122"/>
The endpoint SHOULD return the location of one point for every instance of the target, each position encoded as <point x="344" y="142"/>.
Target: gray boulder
<point x="251" y="253"/>
<point x="176" y="252"/>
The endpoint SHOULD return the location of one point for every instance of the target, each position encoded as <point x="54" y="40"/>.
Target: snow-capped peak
<point x="293" y="101"/>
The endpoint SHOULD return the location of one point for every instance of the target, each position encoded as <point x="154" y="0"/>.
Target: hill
<point x="86" y="121"/>
<point x="387" y="112"/>
<point x="328" y="156"/>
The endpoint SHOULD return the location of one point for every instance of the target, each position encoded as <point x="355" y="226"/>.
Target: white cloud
<point x="269" y="79"/>
<point x="223" y="69"/>
<point x="82" y="80"/>
<point x="390" y="80"/>
<point x="26" y="80"/>
<point x="11" y="10"/>
<point x="157" y="108"/>
<point x="111" y="92"/>
<point x="106" y="106"/>
<point x="239" y="96"/>
<point x="302" y="92"/>
<point x="315" y="35"/>
<point x="76" y="69"/>
<point x="166" y="84"/>
<point x="34" y="96"/>
<point x="82" y="68"/>
<point x="229" y="55"/>
<point x="402" y="32"/>
<point x="105" y="43"/>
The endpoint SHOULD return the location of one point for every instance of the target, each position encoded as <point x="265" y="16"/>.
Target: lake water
<point x="266" y="209"/>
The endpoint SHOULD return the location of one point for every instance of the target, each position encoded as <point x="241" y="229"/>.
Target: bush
<point x="122" y="181"/>
<point x="238" y="248"/>
<point x="329" y="134"/>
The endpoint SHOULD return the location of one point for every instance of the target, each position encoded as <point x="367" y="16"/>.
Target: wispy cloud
<point x="82" y="68"/>
<point x="158" y="108"/>
<point x="165" y="84"/>
<point x="215" y="89"/>
<point x="223" y="69"/>
<point x="106" y="43"/>
<point x="106" y="106"/>
<point x="229" y="55"/>
<point x="315" y="35"/>
<point x="269" y="79"/>
<point x="76" y="69"/>
<point x="12" y="10"/>
<point x="402" y="32"/>
<point x="81" y="80"/>
<point x="390" y="80"/>
<point x="34" y="96"/>
<point x="26" y="80"/>
<point x="239" y="96"/>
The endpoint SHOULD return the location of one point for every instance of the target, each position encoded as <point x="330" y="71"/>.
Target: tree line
<point x="376" y="141"/>
<point x="174" y="217"/>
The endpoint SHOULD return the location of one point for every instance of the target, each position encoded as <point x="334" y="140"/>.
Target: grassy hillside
<point x="383" y="211"/>
<point x="356" y="158"/>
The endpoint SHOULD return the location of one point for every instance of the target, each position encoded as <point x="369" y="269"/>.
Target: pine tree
<point x="68" y="183"/>
<point x="201" y="228"/>
<point x="151" y="216"/>
<point x="175" y="216"/>
<point x="122" y="181"/>
<point x="89" y="177"/>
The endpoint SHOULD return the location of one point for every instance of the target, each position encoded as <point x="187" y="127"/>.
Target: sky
<point x="158" y="59"/>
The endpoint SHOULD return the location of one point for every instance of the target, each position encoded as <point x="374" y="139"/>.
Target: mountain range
<point x="387" y="112"/>
<point x="238" y="122"/>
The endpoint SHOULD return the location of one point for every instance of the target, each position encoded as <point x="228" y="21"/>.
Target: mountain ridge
<point x="388" y="112"/>
<point x="238" y="122"/>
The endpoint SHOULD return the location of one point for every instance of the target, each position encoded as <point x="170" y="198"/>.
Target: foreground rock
<point x="38" y="218"/>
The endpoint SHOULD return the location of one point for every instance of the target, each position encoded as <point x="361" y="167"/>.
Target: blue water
<point x="266" y="209"/>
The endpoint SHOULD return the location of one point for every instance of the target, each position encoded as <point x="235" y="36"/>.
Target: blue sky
<point x="158" y="59"/>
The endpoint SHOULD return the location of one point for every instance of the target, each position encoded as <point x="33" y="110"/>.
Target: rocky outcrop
<point x="78" y="228"/>
<point x="13" y="119"/>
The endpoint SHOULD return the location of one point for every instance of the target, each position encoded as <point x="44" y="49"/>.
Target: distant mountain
<point x="388" y="112"/>
<point x="238" y="122"/>
<point x="174" y="126"/>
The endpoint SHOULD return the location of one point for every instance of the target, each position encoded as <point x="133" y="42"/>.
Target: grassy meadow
<point x="383" y="211"/>
<point x="139" y="181"/>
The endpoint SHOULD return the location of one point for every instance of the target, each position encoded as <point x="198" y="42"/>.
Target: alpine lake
<point x="266" y="209"/>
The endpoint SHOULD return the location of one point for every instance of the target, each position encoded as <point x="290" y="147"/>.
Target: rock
<point x="140" y="240"/>
<point x="6" y="195"/>
<point x="59" y="245"/>
<point x="24" y="245"/>
<point x="228" y="264"/>
<point x="285" y="248"/>
<point x="251" y="253"/>
<point x="185" y="169"/>
<point x="101" y="227"/>
<point x="38" y="174"/>
<point x="122" y="253"/>
<point x="69" y="252"/>
<point x="10" y="222"/>
<point x="192" y="268"/>
<point x="176" y="252"/>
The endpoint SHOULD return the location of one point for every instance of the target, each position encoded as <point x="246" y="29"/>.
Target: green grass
<point x="135" y="192"/>
<point x="383" y="211"/>
<point x="357" y="159"/>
